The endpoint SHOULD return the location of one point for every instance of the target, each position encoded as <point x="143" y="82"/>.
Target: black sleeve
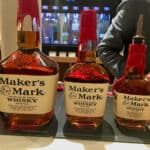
<point x="120" y="31"/>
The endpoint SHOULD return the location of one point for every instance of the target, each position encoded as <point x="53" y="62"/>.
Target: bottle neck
<point x="135" y="65"/>
<point x="87" y="52"/>
<point x="28" y="35"/>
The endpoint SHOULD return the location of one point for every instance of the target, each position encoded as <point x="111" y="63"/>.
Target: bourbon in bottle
<point x="132" y="91"/>
<point x="86" y="82"/>
<point x="28" y="77"/>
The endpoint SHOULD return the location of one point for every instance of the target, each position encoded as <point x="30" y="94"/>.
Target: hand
<point x="147" y="77"/>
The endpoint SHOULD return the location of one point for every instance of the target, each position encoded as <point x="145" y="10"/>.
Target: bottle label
<point x="85" y="99"/>
<point x="90" y="56"/>
<point x="65" y="36"/>
<point x="129" y="106"/>
<point x="25" y="94"/>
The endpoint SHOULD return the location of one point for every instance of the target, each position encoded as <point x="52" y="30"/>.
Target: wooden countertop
<point x="61" y="59"/>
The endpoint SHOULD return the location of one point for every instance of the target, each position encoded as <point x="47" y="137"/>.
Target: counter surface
<point x="60" y="134"/>
<point x="48" y="143"/>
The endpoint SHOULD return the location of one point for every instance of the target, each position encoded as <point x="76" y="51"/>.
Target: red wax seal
<point x="28" y="7"/>
<point x="137" y="51"/>
<point x="88" y="26"/>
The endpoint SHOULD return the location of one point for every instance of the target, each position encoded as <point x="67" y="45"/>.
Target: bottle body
<point x="132" y="91"/>
<point x="86" y="86"/>
<point x="132" y="103"/>
<point x="28" y="76"/>
<point x="75" y="28"/>
<point x="64" y="28"/>
<point x="86" y="82"/>
<point x="28" y="66"/>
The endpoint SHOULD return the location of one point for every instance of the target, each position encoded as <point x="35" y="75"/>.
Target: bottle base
<point x="16" y="122"/>
<point x="85" y="122"/>
<point x="141" y="125"/>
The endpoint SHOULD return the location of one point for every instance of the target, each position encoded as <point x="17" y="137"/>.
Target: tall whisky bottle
<point x="86" y="82"/>
<point x="28" y="77"/>
<point x="132" y="94"/>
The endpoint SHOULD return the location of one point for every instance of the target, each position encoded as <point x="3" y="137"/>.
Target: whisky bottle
<point x="65" y="28"/>
<point x="132" y="94"/>
<point x="86" y="82"/>
<point x="28" y="77"/>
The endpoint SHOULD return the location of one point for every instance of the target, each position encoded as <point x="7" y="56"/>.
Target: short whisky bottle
<point x="132" y="91"/>
<point x="86" y="82"/>
<point x="28" y="77"/>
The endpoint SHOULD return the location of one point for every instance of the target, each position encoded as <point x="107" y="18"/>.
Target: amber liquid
<point x="28" y="60"/>
<point x="86" y="73"/>
<point x="136" y="86"/>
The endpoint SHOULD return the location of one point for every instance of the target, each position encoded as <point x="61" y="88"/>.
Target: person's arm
<point x="119" y="33"/>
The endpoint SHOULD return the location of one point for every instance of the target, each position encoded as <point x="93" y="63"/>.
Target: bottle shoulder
<point x="132" y="86"/>
<point x="89" y="66"/>
<point x="21" y="60"/>
<point x="87" y="72"/>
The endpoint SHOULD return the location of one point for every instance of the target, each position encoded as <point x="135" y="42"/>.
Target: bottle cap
<point x="139" y="38"/>
<point x="88" y="26"/>
<point x="28" y="7"/>
<point x="137" y="50"/>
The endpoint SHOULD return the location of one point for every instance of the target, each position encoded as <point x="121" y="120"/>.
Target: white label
<point x="25" y="94"/>
<point x="136" y="107"/>
<point x="85" y="99"/>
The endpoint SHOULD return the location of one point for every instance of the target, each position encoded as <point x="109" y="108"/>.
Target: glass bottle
<point x="64" y="28"/>
<point x="86" y="82"/>
<point x="104" y="21"/>
<point x="47" y="28"/>
<point x="28" y="77"/>
<point x="75" y="28"/>
<point x="132" y="91"/>
<point x="55" y="26"/>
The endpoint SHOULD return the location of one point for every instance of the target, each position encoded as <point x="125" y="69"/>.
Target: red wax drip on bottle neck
<point x="136" y="58"/>
<point x="28" y="7"/>
<point x="88" y="26"/>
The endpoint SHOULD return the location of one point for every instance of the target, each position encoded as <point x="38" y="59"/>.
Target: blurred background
<point x="60" y="24"/>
